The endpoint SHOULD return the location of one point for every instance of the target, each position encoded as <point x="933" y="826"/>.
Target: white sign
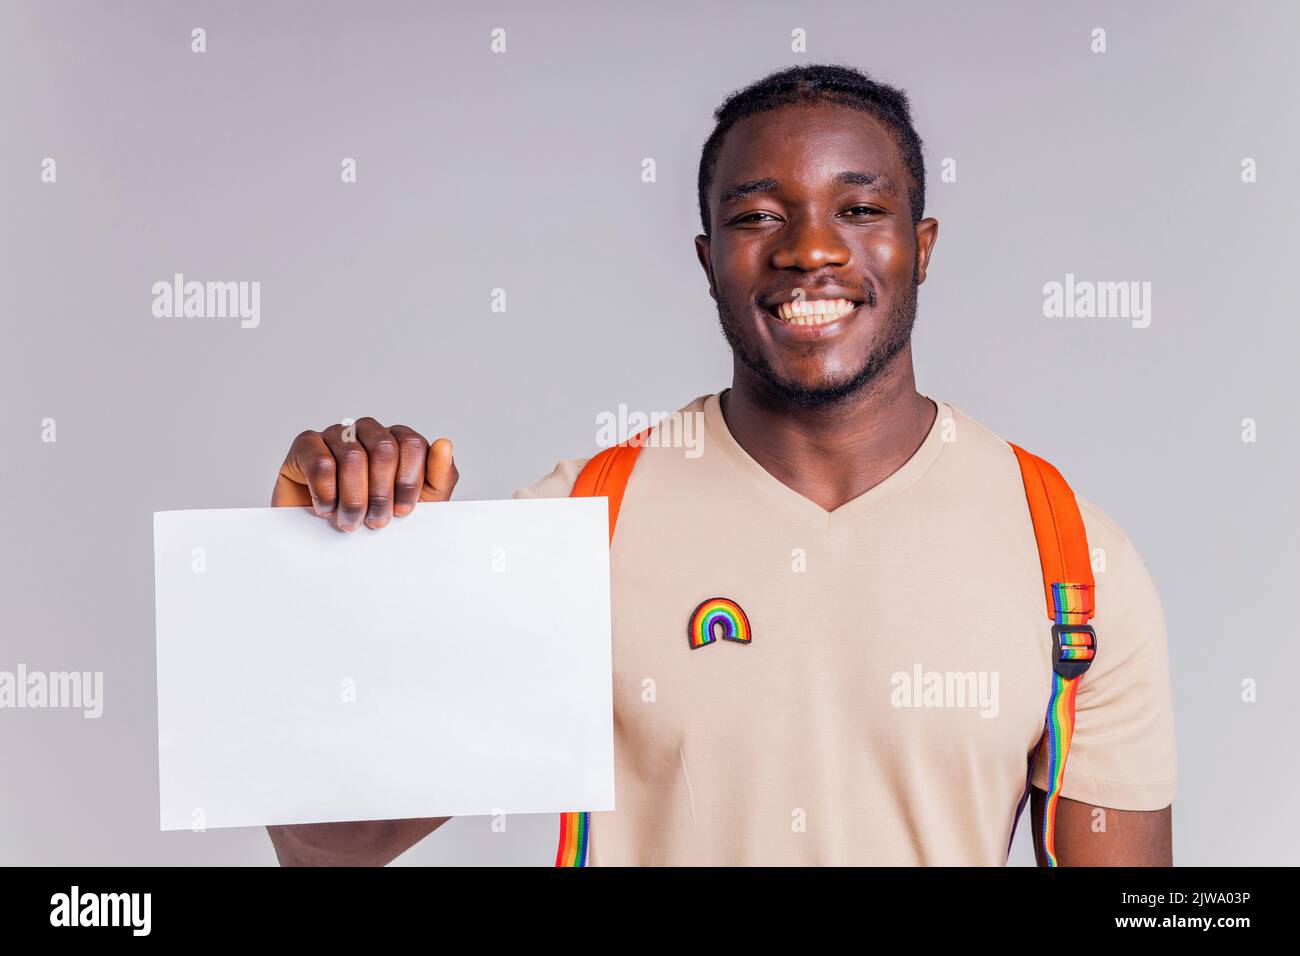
<point x="456" y="662"/>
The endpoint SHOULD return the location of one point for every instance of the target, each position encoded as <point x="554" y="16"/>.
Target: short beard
<point x="898" y="332"/>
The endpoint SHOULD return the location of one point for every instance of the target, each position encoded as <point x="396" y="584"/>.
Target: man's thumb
<point x="439" y="472"/>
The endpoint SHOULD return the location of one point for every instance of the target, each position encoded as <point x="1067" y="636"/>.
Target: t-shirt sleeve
<point x="557" y="483"/>
<point x="1123" y="753"/>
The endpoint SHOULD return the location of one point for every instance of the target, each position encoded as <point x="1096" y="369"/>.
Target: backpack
<point x="1068" y="587"/>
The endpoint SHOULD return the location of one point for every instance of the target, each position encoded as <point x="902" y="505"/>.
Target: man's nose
<point x="810" y="243"/>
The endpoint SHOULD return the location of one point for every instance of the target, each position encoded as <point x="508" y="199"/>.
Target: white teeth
<point x="814" y="311"/>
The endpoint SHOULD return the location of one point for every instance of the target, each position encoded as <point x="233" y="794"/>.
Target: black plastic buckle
<point x="1071" y="668"/>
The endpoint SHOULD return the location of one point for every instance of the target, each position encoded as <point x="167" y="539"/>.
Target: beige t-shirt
<point x="898" y="671"/>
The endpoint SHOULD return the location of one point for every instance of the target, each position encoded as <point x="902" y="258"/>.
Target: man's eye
<point x="864" y="210"/>
<point x="749" y="217"/>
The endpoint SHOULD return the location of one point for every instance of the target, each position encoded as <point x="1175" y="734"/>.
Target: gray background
<point x="522" y="171"/>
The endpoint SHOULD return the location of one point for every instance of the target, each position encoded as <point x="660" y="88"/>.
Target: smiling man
<point x="829" y="634"/>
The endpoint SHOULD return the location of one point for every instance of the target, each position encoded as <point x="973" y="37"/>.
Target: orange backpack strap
<point x="606" y="475"/>
<point x="1068" y="587"/>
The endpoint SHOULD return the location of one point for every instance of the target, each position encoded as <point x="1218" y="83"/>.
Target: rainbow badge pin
<point x="718" y="617"/>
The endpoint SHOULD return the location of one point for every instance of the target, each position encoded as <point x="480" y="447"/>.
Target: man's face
<point x="810" y="202"/>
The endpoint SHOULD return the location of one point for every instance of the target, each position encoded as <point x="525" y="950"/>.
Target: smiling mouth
<point x="812" y="312"/>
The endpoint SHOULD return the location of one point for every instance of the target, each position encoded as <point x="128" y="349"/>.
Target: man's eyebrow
<point x="877" y="181"/>
<point x="740" y="190"/>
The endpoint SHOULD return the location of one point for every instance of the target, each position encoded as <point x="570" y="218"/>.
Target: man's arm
<point x="350" y="479"/>
<point x="1101" y="836"/>
<point x="363" y="843"/>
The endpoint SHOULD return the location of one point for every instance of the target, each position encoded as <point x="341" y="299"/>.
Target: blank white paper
<point x="456" y="662"/>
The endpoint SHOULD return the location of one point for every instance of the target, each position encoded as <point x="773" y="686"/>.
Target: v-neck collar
<point x="806" y="509"/>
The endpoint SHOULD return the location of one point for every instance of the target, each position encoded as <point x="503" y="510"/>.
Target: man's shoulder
<point x="613" y="426"/>
<point x="969" y="433"/>
<point x="984" y="445"/>
<point x="558" y="482"/>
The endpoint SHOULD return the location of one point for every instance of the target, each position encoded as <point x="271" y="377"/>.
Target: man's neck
<point x="834" y="454"/>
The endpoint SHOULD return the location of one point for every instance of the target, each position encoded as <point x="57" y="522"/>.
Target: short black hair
<point x="823" y="82"/>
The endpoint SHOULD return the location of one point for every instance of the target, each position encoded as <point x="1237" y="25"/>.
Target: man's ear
<point x="927" y="232"/>
<point x="702" y="253"/>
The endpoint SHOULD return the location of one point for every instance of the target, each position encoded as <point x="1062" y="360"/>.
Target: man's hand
<point x="364" y="473"/>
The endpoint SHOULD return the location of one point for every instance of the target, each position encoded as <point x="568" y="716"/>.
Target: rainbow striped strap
<point x="574" y="831"/>
<point x="1074" y="645"/>
<point x="605" y="475"/>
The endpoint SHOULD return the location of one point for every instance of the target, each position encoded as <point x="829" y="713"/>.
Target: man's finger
<point x="352" y="469"/>
<point x="381" y="453"/>
<point x="307" y="476"/>
<point x="440" y="474"/>
<point x="413" y="455"/>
